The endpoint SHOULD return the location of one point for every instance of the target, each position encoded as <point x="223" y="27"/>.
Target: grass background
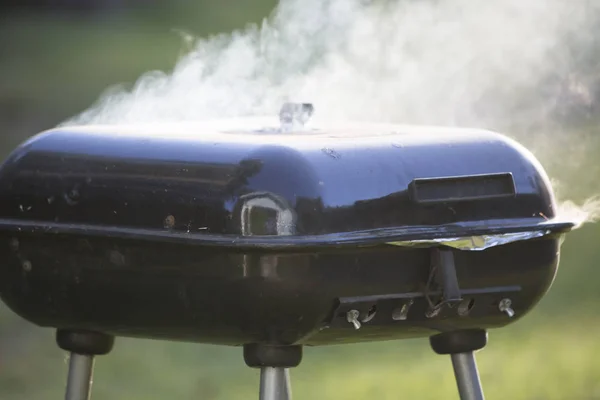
<point x="53" y="65"/>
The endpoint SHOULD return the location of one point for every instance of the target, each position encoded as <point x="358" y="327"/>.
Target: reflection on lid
<point x="265" y="213"/>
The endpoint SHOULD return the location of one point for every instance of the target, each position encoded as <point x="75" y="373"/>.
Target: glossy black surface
<point x="221" y="182"/>
<point x="197" y="293"/>
<point x="234" y="237"/>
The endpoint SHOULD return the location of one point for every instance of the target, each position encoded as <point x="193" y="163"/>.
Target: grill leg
<point x="461" y="345"/>
<point x="275" y="384"/>
<point x="467" y="376"/>
<point x="274" y="363"/>
<point x="79" y="382"/>
<point x="82" y="346"/>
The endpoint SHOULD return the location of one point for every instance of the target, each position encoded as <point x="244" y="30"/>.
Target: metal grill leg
<point x="467" y="376"/>
<point x="461" y="345"/>
<point x="275" y="384"/>
<point x="82" y="347"/>
<point x="274" y="363"/>
<point x="79" y="381"/>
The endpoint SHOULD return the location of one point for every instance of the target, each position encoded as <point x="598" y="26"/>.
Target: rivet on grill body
<point x="27" y="266"/>
<point x="370" y="315"/>
<point x="465" y="306"/>
<point x="352" y="317"/>
<point x="433" y="312"/>
<point x="505" y="307"/>
<point x="401" y="313"/>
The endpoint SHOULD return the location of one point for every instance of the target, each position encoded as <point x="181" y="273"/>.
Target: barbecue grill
<point x="274" y="235"/>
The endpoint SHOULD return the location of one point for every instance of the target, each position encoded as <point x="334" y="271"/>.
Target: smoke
<point x="588" y="211"/>
<point x="502" y="64"/>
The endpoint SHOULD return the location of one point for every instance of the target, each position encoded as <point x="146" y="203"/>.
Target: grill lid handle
<point x="293" y="115"/>
<point x="462" y="188"/>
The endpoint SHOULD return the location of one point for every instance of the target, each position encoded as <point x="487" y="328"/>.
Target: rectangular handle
<point x="462" y="188"/>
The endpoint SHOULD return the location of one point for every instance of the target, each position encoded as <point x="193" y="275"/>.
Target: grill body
<point x="230" y="233"/>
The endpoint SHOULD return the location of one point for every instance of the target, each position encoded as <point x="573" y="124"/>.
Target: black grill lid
<point x="249" y="182"/>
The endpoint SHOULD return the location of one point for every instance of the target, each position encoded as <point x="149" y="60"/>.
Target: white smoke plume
<point x="494" y="64"/>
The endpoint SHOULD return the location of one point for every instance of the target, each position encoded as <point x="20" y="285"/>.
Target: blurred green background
<point x="57" y="57"/>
